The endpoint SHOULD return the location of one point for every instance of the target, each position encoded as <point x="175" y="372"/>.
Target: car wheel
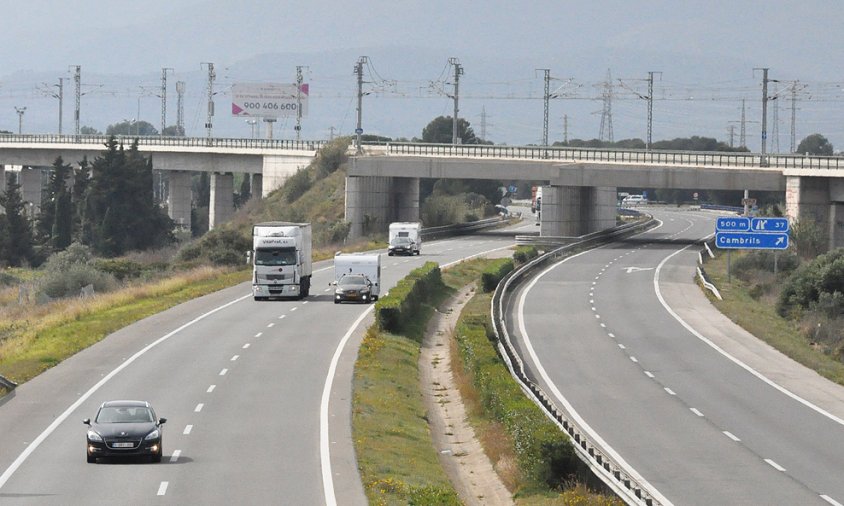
<point x="90" y="459"/>
<point x="336" y="301"/>
<point x="390" y="254"/>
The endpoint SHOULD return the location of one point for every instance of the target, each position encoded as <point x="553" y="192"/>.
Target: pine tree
<point x="17" y="248"/>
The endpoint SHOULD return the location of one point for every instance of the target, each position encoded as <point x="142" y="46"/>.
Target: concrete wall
<point x="2" y="185"/>
<point x="820" y="199"/>
<point x="276" y="169"/>
<point x="405" y="199"/>
<point x="256" y="186"/>
<point x="368" y="205"/>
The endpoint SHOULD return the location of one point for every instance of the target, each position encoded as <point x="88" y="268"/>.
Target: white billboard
<point x="268" y="100"/>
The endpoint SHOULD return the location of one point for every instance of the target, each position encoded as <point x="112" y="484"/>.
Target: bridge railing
<point x="628" y="156"/>
<point x="164" y="140"/>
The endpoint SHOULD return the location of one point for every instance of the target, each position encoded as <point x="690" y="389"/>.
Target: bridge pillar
<point x="367" y="204"/>
<point x="570" y="211"/>
<point x="31" y="186"/>
<point x="221" y="204"/>
<point x="2" y="185"/>
<point x="179" y="198"/>
<point x="405" y="199"/>
<point x="819" y="199"/>
<point x="256" y="185"/>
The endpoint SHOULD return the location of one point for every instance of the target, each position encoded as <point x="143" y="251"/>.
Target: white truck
<point x="281" y="260"/>
<point x="349" y="268"/>
<point x="408" y="229"/>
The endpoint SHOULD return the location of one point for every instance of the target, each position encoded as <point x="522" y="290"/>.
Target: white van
<point x="634" y="200"/>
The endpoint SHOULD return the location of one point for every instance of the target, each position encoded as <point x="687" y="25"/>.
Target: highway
<point x="610" y="335"/>
<point x="256" y="396"/>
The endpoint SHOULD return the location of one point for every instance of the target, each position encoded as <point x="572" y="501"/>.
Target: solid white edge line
<point x="566" y="405"/>
<point x="324" y="443"/>
<point x="84" y="397"/>
<point x="723" y="352"/>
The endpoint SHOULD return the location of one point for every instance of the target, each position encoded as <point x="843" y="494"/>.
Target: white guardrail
<point x="623" y="481"/>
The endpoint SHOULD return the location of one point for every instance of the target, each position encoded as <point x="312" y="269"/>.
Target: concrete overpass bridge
<point x="267" y="162"/>
<point x="579" y="193"/>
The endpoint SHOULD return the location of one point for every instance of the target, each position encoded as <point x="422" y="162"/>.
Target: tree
<point x="440" y="128"/>
<point x="136" y="127"/>
<point x="815" y="144"/>
<point x="174" y="131"/>
<point x="56" y="189"/>
<point x="15" y="232"/>
<point x="86" y="130"/>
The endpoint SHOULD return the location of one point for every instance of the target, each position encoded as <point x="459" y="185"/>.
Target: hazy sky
<point x="704" y="53"/>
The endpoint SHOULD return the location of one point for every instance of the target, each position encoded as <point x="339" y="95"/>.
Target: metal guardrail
<point x="460" y="228"/>
<point x="628" y="156"/>
<point x="7" y="384"/>
<point x="163" y="140"/>
<point x="618" y="478"/>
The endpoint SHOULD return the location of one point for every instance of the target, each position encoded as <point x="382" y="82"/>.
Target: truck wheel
<point x="259" y="299"/>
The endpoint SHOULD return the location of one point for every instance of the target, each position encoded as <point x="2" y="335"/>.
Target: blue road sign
<point x="358" y="131"/>
<point x="769" y="225"/>
<point x="732" y="224"/>
<point x="751" y="240"/>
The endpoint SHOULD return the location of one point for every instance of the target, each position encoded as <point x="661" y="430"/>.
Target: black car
<point x="401" y="246"/>
<point x="354" y="287"/>
<point x="124" y="428"/>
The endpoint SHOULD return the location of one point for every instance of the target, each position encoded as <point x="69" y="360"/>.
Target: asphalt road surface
<point x="598" y="331"/>
<point x="256" y="396"/>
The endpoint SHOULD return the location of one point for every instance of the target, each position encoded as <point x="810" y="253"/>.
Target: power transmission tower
<point x="794" y="87"/>
<point x="359" y="73"/>
<point x="77" y="79"/>
<point x="180" y="107"/>
<point x="299" y="79"/>
<point x="732" y="130"/>
<point x="775" y="128"/>
<point x="546" y="97"/>
<point x="164" y="98"/>
<point x="743" y="136"/>
<point x="458" y="71"/>
<point x="20" y="111"/>
<point x="210" y="92"/>
<point x="762" y="156"/>
<point x="483" y="122"/>
<point x="650" y="106"/>
<point x="566" y="129"/>
<point x="606" y="114"/>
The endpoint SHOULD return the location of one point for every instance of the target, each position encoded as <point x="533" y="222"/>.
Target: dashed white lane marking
<point x="634" y="359"/>
<point x="731" y="436"/>
<point x="696" y="411"/>
<point x="611" y="335"/>
<point x="211" y="389"/>
<point x="270" y="325"/>
<point x="294" y="308"/>
<point x="198" y="408"/>
<point x="162" y="489"/>
<point x="669" y="391"/>
<point x="327" y="289"/>
<point x="775" y="465"/>
<point x="246" y="346"/>
<point x="830" y="500"/>
<point x="259" y="334"/>
<point x="282" y="317"/>
<point x="591" y="301"/>
<point x="175" y="456"/>
<point x="593" y="308"/>
<point x="187" y="430"/>
<point x="603" y="325"/>
<point x="223" y="372"/>
<point x="304" y="303"/>
<point x="622" y="346"/>
<point x="598" y="316"/>
<point x="649" y="374"/>
<point x="235" y="358"/>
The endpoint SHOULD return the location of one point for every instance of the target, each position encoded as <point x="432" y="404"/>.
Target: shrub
<point x="296" y="185"/>
<point x="331" y="157"/>
<point x="219" y="246"/>
<point x="824" y="274"/>
<point x="525" y="254"/>
<point x="493" y="274"/>
<point x="394" y="310"/>
<point x="69" y="282"/>
<point x="120" y="268"/>
<point x="744" y="266"/>
<point x="808" y="238"/>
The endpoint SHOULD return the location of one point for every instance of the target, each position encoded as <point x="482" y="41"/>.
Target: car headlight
<point x="93" y="436"/>
<point x="153" y="435"/>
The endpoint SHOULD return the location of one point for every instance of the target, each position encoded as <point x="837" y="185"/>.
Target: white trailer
<point x="353" y="265"/>
<point x="281" y="260"/>
<point x="409" y="229"/>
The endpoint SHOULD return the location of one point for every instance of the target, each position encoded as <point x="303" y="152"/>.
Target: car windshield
<point x="121" y="414"/>
<point x="280" y="256"/>
<point x="352" y="280"/>
<point x="401" y="241"/>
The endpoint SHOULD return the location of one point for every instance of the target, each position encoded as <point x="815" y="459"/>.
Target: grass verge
<point x="68" y="326"/>
<point x="759" y="317"/>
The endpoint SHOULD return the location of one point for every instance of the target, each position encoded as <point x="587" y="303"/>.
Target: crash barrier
<point x="702" y="257"/>
<point x="632" y="488"/>
<point x="557" y="241"/>
<point x="7" y="384"/>
<point x="460" y="228"/>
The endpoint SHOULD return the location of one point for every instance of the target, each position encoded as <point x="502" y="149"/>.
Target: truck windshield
<point x="280" y="256"/>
